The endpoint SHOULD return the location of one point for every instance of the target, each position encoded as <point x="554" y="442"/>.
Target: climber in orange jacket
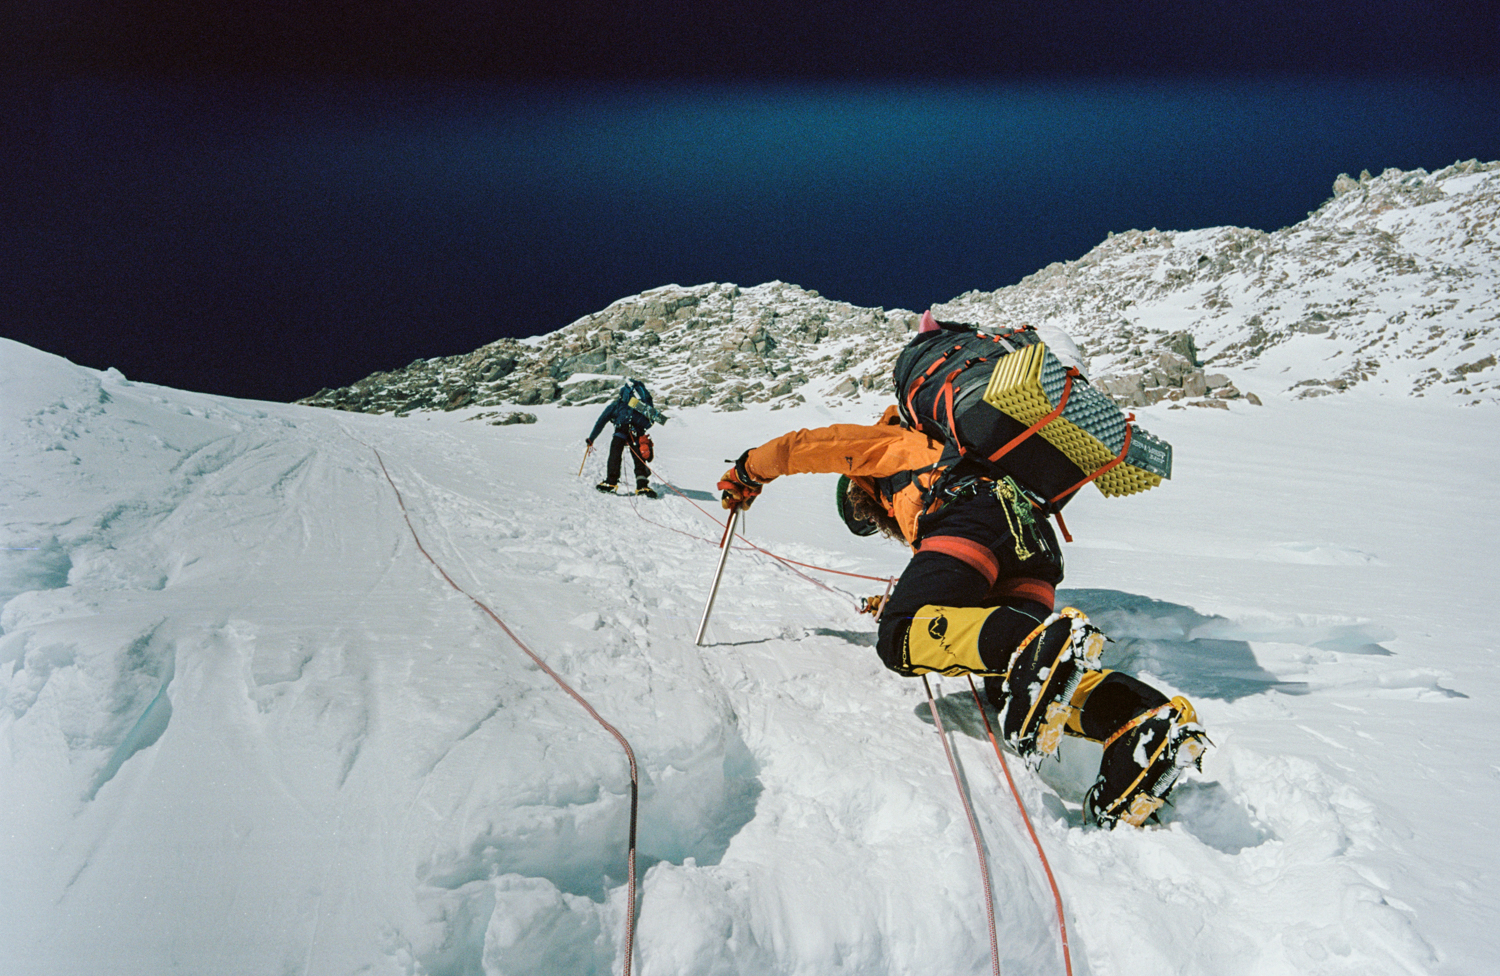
<point x="978" y="597"/>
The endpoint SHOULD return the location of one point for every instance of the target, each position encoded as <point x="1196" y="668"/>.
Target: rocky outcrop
<point x="717" y="344"/>
<point x="1169" y="372"/>
<point x="496" y="418"/>
<point x="1393" y="283"/>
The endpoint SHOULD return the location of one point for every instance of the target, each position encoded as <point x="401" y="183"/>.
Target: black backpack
<point x="1003" y="404"/>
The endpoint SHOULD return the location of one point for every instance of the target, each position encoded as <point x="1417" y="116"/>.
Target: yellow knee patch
<point x="946" y="640"/>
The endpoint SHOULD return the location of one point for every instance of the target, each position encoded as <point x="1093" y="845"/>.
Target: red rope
<point x="1062" y="921"/>
<point x="748" y="544"/>
<point x="741" y="536"/>
<point x="635" y="788"/>
<point x="984" y="865"/>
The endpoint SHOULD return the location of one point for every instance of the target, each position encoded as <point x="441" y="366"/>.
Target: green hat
<point x="856" y="524"/>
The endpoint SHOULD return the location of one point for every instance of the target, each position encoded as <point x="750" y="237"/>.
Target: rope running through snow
<point x="1062" y="921"/>
<point x="635" y="787"/>
<point x="984" y="864"/>
<point x="750" y="545"/>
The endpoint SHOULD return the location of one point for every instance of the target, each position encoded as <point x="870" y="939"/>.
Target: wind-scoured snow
<point x="247" y="728"/>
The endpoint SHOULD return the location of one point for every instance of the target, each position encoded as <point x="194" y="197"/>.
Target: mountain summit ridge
<point x="1393" y="283"/>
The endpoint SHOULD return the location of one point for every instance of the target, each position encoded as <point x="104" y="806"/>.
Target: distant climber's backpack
<point x="1005" y="404"/>
<point x="635" y="396"/>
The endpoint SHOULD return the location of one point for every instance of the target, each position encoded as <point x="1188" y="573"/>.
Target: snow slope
<point x="247" y="728"/>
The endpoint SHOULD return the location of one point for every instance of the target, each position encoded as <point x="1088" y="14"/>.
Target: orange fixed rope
<point x="720" y="522"/>
<point x="1062" y="920"/>
<point x="984" y="864"/>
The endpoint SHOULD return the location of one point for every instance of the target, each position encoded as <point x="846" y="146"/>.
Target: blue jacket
<point x="624" y="419"/>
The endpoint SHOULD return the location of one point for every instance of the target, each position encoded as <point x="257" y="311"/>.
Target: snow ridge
<point x="246" y="728"/>
<point x="1393" y="283"/>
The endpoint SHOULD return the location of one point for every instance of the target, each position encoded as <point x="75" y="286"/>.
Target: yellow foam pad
<point x="1015" y="389"/>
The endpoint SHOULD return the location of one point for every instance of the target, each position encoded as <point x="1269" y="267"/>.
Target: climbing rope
<point x="635" y="786"/>
<point x="984" y="864"/>
<point x="789" y="563"/>
<point x="1062" y="921"/>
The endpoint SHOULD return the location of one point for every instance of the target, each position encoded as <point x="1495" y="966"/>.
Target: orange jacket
<point x="866" y="453"/>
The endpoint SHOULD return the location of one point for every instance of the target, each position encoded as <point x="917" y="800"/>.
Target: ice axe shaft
<point x="734" y="517"/>
<point x="586" y="452"/>
<point x="884" y="598"/>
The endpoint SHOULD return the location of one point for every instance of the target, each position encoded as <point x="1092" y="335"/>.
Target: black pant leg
<point x="612" y="469"/>
<point x="642" y="472"/>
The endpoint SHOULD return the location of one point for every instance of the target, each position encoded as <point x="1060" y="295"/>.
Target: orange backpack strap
<point x="1062" y="402"/>
<point x="1124" y="450"/>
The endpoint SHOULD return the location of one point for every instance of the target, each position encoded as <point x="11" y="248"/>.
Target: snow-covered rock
<point x="717" y="344"/>
<point x="1394" y="282"/>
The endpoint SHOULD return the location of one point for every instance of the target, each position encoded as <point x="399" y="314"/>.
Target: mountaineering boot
<point x="607" y="487"/>
<point x="647" y="491"/>
<point x="1142" y="762"/>
<point x="1044" y="672"/>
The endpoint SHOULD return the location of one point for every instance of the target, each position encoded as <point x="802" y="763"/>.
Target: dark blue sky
<point x="227" y="199"/>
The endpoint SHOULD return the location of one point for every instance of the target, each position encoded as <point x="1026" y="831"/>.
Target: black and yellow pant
<point x="973" y="593"/>
<point x="976" y="555"/>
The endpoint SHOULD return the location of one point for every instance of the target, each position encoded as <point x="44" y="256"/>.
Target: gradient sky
<point x="265" y="198"/>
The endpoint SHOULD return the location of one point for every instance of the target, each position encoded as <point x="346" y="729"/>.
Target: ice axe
<point x="586" y="452"/>
<point x="734" y="516"/>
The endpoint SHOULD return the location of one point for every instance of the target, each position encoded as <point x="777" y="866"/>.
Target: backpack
<point x="1003" y="404"/>
<point x="635" y="396"/>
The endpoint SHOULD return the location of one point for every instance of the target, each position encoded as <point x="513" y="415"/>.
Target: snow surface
<point x="247" y="728"/>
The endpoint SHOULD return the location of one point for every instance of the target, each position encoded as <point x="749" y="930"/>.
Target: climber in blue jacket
<point x="632" y="413"/>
